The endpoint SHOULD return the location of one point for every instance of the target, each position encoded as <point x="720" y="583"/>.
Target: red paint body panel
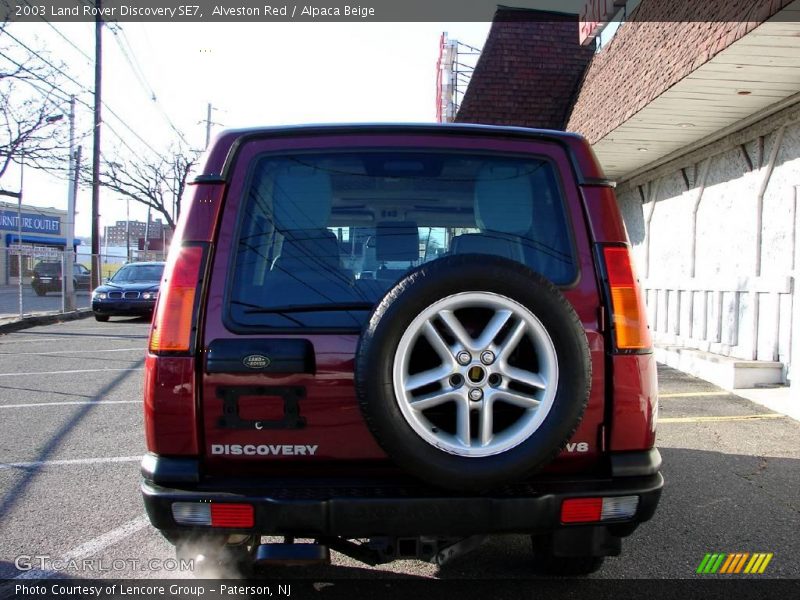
<point x="635" y="405"/>
<point x="170" y="422"/>
<point x="334" y="420"/>
<point x="201" y="212"/>
<point x="605" y="220"/>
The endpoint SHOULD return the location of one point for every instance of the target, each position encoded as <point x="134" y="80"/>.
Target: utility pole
<point x="69" y="233"/>
<point x="128" y="228"/>
<point x="98" y="81"/>
<point x="208" y="125"/>
<point x="19" y="230"/>
<point x="146" y="233"/>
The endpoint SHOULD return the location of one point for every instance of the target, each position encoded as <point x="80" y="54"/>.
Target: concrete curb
<point x="43" y="319"/>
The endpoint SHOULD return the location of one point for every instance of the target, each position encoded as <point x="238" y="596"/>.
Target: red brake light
<point x="627" y="304"/>
<point x="581" y="510"/>
<point x="232" y="515"/>
<point x="173" y="321"/>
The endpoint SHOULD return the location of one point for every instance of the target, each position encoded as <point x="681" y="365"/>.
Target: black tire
<point x="101" y="318"/>
<point x="407" y="299"/>
<point x="545" y="563"/>
<point x="40" y="291"/>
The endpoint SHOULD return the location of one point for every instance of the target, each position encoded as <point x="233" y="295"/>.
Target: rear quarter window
<point x="323" y="236"/>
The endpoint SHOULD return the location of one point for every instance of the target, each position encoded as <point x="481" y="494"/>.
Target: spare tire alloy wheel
<point x="473" y="371"/>
<point x="475" y="375"/>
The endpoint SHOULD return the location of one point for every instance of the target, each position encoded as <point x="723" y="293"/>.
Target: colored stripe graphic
<point x="703" y="564"/>
<point x="729" y="564"/>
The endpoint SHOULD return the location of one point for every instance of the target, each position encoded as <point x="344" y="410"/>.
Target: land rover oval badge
<point x="255" y="361"/>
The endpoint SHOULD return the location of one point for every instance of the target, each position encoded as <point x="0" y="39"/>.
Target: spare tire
<point x="473" y="371"/>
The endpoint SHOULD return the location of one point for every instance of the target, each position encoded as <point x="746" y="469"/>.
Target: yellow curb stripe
<point x="695" y="394"/>
<point x="718" y="419"/>
<point x="767" y="558"/>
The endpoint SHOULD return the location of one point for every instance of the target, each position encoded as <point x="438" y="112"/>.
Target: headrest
<point x="309" y="249"/>
<point x="301" y="198"/>
<point x="397" y="241"/>
<point x="488" y="243"/>
<point x="504" y="199"/>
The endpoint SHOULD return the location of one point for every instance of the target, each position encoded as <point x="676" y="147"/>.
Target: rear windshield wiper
<point x="256" y="309"/>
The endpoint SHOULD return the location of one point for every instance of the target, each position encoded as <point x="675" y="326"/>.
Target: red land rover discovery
<point x="396" y="339"/>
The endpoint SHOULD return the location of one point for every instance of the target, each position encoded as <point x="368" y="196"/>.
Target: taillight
<point x="592" y="510"/>
<point x="627" y="305"/>
<point x="231" y="515"/>
<point x="173" y="321"/>
<point x="215" y="514"/>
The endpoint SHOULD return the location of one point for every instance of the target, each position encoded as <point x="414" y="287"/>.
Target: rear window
<point x="48" y="268"/>
<point x="322" y="237"/>
<point x="144" y="273"/>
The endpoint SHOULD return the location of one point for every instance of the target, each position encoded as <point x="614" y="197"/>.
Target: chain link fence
<point x="41" y="289"/>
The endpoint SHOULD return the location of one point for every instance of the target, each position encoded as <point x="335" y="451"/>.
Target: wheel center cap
<point x="476" y="374"/>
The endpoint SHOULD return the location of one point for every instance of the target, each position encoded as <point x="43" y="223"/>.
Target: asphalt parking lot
<point x="71" y="438"/>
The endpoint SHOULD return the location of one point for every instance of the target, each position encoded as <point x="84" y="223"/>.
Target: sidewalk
<point x="9" y="324"/>
<point x="775" y="398"/>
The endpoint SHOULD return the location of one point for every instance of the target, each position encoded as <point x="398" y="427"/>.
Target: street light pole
<point x="98" y="79"/>
<point x="19" y="231"/>
<point x="69" y="233"/>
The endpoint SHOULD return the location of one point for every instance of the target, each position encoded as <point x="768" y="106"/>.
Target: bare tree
<point x="157" y="181"/>
<point x="29" y="105"/>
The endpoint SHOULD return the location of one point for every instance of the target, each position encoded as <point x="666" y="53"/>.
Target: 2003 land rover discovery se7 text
<point x="395" y="339"/>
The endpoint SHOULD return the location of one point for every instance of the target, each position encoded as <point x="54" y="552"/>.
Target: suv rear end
<point x="414" y="335"/>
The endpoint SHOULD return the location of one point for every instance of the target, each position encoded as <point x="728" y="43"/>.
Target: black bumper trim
<point x="164" y="469"/>
<point x="445" y="515"/>
<point x="635" y="464"/>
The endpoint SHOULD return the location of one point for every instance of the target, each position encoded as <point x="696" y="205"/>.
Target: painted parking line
<point x="720" y="419"/>
<point x="70" y="461"/>
<point x="695" y="394"/>
<point x="66" y="372"/>
<point x="15" y="341"/>
<point x="92" y="547"/>
<point x="48" y="352"/>
<point x="69" y="403"/>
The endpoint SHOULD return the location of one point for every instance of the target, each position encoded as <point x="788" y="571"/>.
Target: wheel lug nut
<point x="487" y="357"/>
<point x="476" y="394"/>
<point x="464" y="358"/>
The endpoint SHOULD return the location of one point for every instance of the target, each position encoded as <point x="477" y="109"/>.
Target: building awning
<point x="661" y="89"/>
<point x="12" y="238"/>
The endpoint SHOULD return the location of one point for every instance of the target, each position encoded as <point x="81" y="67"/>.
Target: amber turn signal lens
<point x="173" y="320"/>
<point x="627" y="304"/>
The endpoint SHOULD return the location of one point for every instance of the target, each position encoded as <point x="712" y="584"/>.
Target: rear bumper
<point x="122" y="307"/>
<point x="370" y="508"/>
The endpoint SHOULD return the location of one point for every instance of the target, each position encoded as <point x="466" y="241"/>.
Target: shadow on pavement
<point x="16" y="491"/>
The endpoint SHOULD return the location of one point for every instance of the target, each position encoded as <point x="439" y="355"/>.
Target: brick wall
<point x="528" y="72"/>
<point x="663" y="42"/>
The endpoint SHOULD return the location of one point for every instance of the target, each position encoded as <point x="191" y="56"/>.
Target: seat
<point x="396" y="242"/>
<point x="309" y="258"/>
<point x="503" y="204"/>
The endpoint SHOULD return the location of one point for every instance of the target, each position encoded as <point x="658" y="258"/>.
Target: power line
<point x="130" y="57"/>
<point x="54" y="67"/>
<point x="83" y="89"/>
<point x="37" y="76"/>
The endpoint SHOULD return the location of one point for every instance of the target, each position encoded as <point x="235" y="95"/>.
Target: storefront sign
<point x="594" y="16"/>
<point x="31" y="223"/>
